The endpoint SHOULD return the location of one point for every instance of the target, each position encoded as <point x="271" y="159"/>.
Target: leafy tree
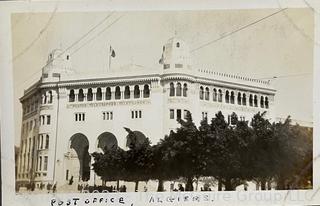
<point x="109" y="165"/>
<point x="183" y="152"/>
<point x="138" y="160"/>
<point x="264" y="152"/>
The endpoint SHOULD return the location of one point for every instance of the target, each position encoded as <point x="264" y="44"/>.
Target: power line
<point x="286" y="76"/>
<point x="237" y="30"/>
<point x="39" y="35"/>
<point x="74" y="43"/>
<point x="102" y="31"/>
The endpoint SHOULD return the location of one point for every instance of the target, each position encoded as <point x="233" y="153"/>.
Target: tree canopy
<point x="232" y="153"/>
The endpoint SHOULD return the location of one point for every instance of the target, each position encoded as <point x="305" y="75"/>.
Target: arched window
<point x="255" y="100"/>
<point x="179" y="89"/>
<point x="146" y="91"/>
<point x="266" y="102"/>
<point x="50" y="97"/>
<point x="201" y="93"/>
<point x="244" y="99"/>
<point x="117" y="93"/>
<point x="136" y="92"/>
<point x="227" y="97"/>
<point x="215" y="95"/>
<point x="178" y="45"/>
<point x="239" y="98"/>
<point x="108" y="93"/>
<point x="47" y="142"/>
<point x="207" y="93"/>
<point x="171" y="89"/>
<point x="220" y="96"/>
<point x="250" y="100"/>
<point x="99" y="94"/>
<point x="232" y="97"/>
<point x="71" y="96"/>
<point x="80" y="95"/>
<point x="261" y="102"/>
<point x="185" y="90"/>
<point x="89" y="95"/>
<point x="127" y="92"/>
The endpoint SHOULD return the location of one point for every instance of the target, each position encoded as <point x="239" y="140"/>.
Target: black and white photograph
<point x="163" y="101"/>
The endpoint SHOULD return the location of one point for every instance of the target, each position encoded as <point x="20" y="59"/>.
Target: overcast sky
<point x="281" y="45"/>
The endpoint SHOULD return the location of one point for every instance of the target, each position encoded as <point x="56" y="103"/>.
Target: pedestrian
<point x="181" y="188"/>
<point x="71" y="180"/>
<point x="48" y="187"/>
<point x="54" y="188"/>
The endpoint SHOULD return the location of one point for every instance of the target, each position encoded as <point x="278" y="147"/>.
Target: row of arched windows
<point x="106" y="94"/>
<point x="32" y="104"/>
<point x="231" y="98"/>
<point x="179" y="90"/>
<point x="47" y="97"/>
<point x="204" y="94"/>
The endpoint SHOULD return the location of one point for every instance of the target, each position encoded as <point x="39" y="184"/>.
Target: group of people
<point x="50" y="187"/>
<point x="180" y="188"/>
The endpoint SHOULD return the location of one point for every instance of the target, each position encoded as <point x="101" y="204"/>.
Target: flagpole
<point x="109" y="68"/>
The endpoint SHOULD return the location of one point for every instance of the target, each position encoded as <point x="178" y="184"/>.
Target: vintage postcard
<point x="106" y="103"/>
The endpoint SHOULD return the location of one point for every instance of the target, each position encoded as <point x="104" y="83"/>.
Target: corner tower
<point x="175" y="55"/>
<point x="58" y="64"/>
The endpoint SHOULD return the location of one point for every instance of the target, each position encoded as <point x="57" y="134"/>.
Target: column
<point x="76" y="92"/>
<point x="94" y="92"/>
<point x="141" y="91"/>
<point x="131" y="88"/>
<point x="113" y="89"/>
<point x="122" y="92"/>
<point x="85" y="92"/>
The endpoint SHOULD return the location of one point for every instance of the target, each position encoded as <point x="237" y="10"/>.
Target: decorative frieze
<point x="108" y="104"/>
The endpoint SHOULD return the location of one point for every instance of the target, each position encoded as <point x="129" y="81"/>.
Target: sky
<point x="280" y="45"/>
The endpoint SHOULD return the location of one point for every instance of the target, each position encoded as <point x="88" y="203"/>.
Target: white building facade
<point x="67" y="116"/>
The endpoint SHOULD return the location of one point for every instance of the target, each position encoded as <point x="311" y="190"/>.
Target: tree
<point x="109" y="165"/>
<point x="294" y="155"/>
<point x="264" y="149"/>
<point x="138" y="160"/>
<point x="182" y="152"/>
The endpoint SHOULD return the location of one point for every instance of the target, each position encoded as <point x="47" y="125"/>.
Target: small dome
<point x="58" y="63"/>
<point x="175" y="54"/>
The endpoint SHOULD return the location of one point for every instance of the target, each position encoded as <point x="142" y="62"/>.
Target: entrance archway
<point x="107" y="141"/>
<point x="78" y="165"/>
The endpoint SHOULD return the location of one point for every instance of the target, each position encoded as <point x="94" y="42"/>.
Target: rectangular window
<point x="48" y="119"/>
<point x="67" y="174"/>
<point x="204" y="115"/>
<point x="178" y="65"/>
<point x="41" y="144"/>
<point x="107" y="115"/>
<point x="79" y="117"/>
<point x="137" y="114"/>
<point x="40" y="164"/>
<point x="45" y="163"/>
<point x="178" y="113"/>
<point x="47" y="142"/>
<point x="166" y="66"/>
<point x="171" y="114"/>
